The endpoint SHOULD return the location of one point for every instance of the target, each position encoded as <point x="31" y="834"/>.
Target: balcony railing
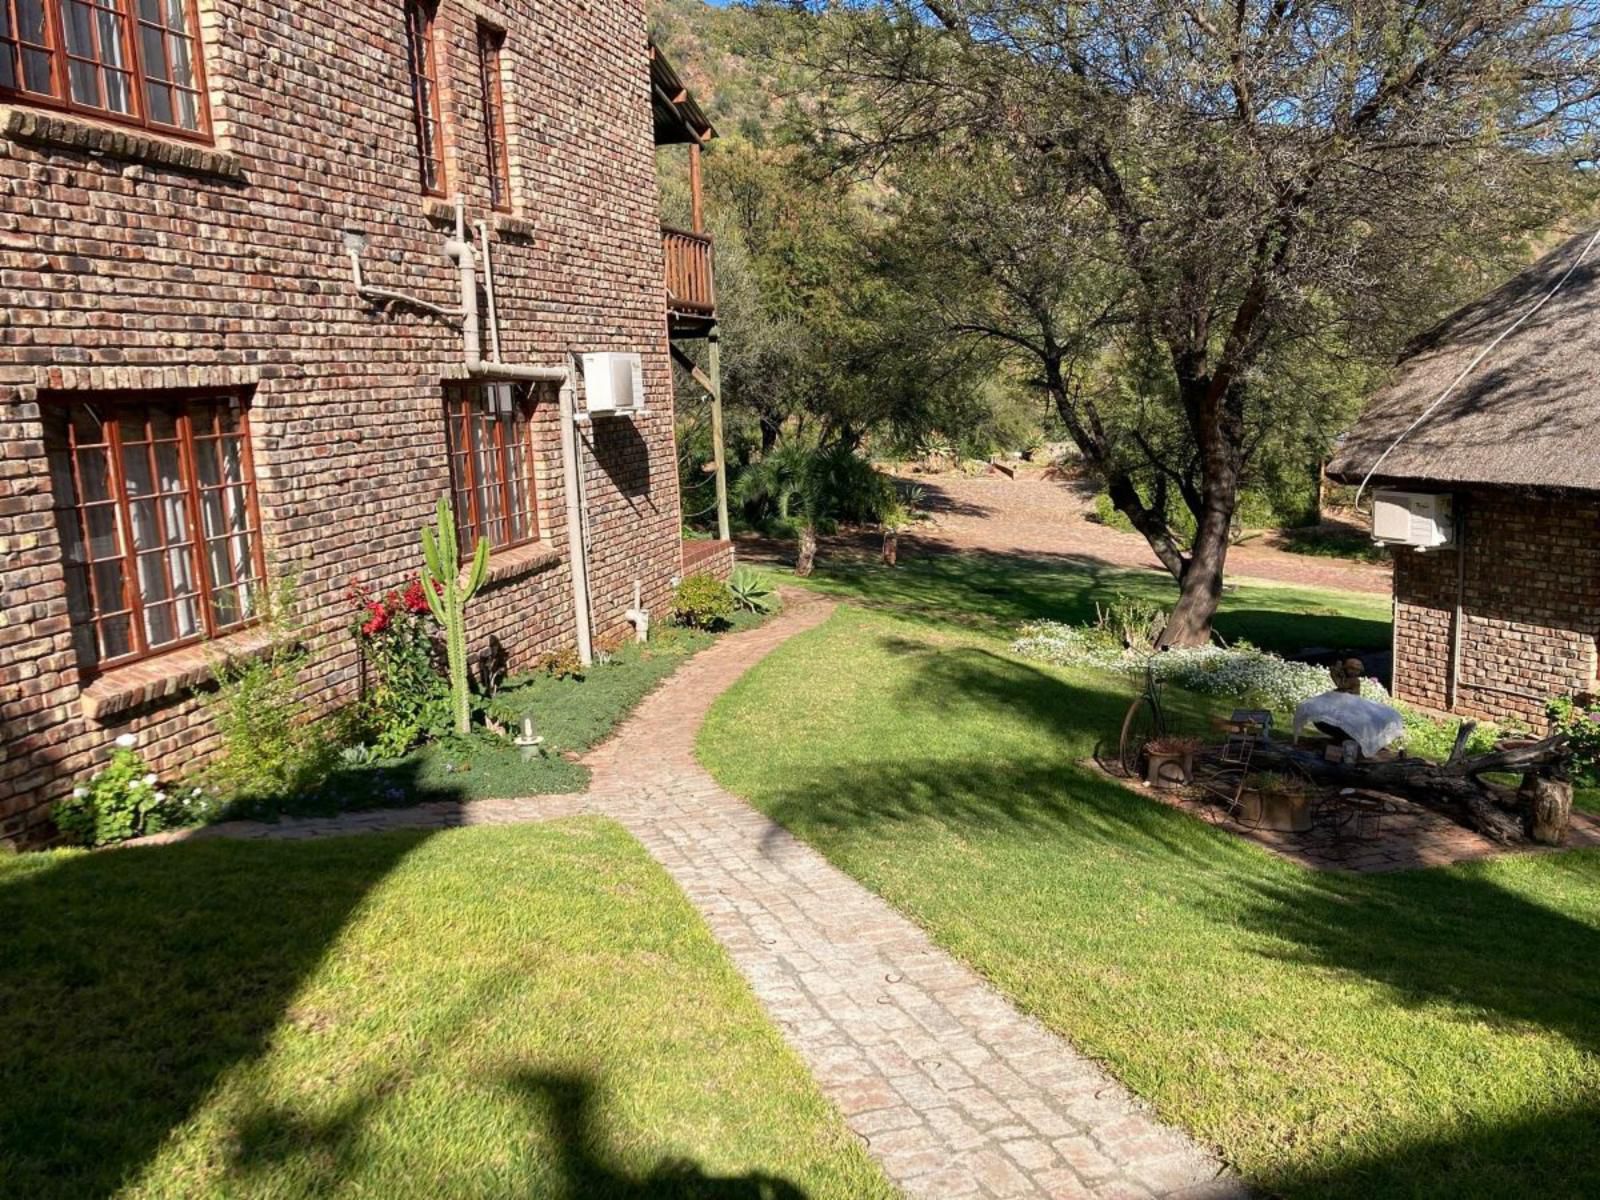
<point x="689" y="286"/>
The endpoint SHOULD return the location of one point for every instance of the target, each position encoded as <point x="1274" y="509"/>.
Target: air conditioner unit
<point x="1418" y="519"/>
<point x="613" y="384"/>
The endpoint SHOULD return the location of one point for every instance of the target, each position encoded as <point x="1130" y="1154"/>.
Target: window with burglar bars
<point x="490" y="42"/>
<point x="155" y="500"/>
<point x="133" y="61"/>
<point x="489" y="434"/>
<point x="425" y="95"/>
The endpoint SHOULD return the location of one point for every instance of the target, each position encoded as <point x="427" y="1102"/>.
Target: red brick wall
<point x="1531" y="605"/>
<point x="159" y="267"/>
<point x="708" y="557"/>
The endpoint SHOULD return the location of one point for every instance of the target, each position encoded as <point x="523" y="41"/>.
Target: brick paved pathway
<point x="955" y="1092"/>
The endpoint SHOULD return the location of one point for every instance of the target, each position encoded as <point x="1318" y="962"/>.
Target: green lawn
<point x="1428" y="1034"/>
<point x="994" y="593"/>
<point x="521" y="1012"/>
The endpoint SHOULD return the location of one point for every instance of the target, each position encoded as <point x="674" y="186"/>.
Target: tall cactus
<point x="447" y="595"/>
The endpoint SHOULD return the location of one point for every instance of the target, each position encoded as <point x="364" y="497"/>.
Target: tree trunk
<point x="1200" y="588"/>
<point x="807" y="557"/>
<point x="1546" y="807"/>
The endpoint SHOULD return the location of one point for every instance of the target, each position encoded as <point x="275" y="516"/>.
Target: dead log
<point x="1457" y="788"/>
<point x="1546" y="807"/>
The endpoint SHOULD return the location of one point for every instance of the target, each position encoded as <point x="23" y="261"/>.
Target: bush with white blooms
<point x="1242" y="673"/>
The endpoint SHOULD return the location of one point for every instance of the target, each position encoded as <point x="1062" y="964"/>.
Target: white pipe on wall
<point x="488" y="291"/>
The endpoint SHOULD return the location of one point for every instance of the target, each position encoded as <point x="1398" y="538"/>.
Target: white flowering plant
<point x="1241" y="672"/>
<point x="125" y="800"/>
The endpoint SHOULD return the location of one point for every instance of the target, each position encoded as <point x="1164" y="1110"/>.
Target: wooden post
<point x="696" y="208"/>
<point x="714" y="354"/>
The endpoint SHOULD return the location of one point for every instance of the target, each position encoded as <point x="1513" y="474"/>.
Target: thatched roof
<point x="1528" y="415"/>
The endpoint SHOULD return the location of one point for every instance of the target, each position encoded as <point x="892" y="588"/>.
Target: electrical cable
<point x="1473" y="365"/>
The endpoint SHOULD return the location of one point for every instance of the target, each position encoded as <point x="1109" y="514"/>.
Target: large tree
<point x="1224" y="184"/>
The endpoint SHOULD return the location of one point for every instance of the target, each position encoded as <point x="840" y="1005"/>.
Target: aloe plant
<point x="447" y="594"/>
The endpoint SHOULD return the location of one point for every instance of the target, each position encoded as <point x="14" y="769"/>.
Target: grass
<point x="1424" y="1034"/>
<point x="571" y="714"/>
<point x="994" y="593"/>
<point x="1326" y="541"/>
<point x="523" y="1012"/>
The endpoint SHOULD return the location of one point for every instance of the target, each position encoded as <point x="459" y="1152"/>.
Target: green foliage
<point x="447" y="595"/>
<point x="1325" y="542"/>
<point x="1432" y="738"/>
<point x="1579" y="719"/>
<point x="270" y="746"/>
<point x="702" y="601"/>
<point x="406" y="697"/>
<point x="124" y="800"/>
<point x="563" y="664"/>
<point x="1109" y="515"/>
<point x="752" y="590"/>
<point x="1131" y="621"/>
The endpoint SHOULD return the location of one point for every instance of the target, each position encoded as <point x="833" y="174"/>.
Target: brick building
<point x="1507" y="615"/>
<point x="239" y="341"/>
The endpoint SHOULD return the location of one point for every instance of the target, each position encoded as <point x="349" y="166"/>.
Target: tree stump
<point x="1546" y="804"/>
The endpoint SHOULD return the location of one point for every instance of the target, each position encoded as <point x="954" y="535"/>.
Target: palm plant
<point x="815" y="486"/>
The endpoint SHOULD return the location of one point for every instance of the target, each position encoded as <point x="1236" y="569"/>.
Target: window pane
<point x="85" y="82"/>
<point x="8" y="57"/>
<point x="112" y="51"/>
<point x="158" y="102"/>
<point x="78" y="25"/>
<point x="151" y="45"/>
<point x="36" y="72"/>
<point x="30" y="21"/>
<point x="116" y="637"/>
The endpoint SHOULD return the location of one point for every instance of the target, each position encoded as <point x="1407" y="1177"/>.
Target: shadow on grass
<point x="1460" y="942"/>
<point x="1548" y="1154"/>
<point x="995" y="592"/>
<point x="131" y="980"/>
<point x="566" y="1103"/>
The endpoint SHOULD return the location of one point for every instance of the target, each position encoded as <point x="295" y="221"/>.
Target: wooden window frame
<point x="60" y="98"/>
<point x="461" y="405"/>
<point x="422" y="68"/>
<point x="113" y="405"/>
<point x="491" y="43"/>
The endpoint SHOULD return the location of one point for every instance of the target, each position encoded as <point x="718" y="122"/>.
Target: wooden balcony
<point x="691" y="295"/>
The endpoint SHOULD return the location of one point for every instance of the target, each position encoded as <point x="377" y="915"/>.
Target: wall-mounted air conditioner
<point x="613" y="385"/>
<point x="1422" y="520"/>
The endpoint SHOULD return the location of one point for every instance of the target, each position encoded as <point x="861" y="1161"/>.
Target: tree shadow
<point x="566" y="1104"/>
<point x="321" y="1154"/>
<point x="1549" y="1154"/>
<point x="132" y="980"/>
<point x="1450" y="937"/>
<point x="995" y="592"/>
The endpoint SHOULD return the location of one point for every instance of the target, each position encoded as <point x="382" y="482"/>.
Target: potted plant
<point x="1169" y="761"/>
<point x="1277" y="802"/>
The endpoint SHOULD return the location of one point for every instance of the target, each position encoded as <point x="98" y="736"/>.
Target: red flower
<point x="415" y="599"/>
<point x="379" y="620"/>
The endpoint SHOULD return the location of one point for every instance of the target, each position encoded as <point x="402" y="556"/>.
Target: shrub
<point x="406" y="698"/>
<point x="270" y="748"/>
<point x="125" y="800"/>
<point x="1132" y="622"/>
<point x="562" y="664"/>
<point x="702" y="601"/>
<point x="753" y="591"/>
<point x="1580" y="721"/>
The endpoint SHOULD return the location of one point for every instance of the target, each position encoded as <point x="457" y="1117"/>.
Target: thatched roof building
<point x="1527" y="416"/>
